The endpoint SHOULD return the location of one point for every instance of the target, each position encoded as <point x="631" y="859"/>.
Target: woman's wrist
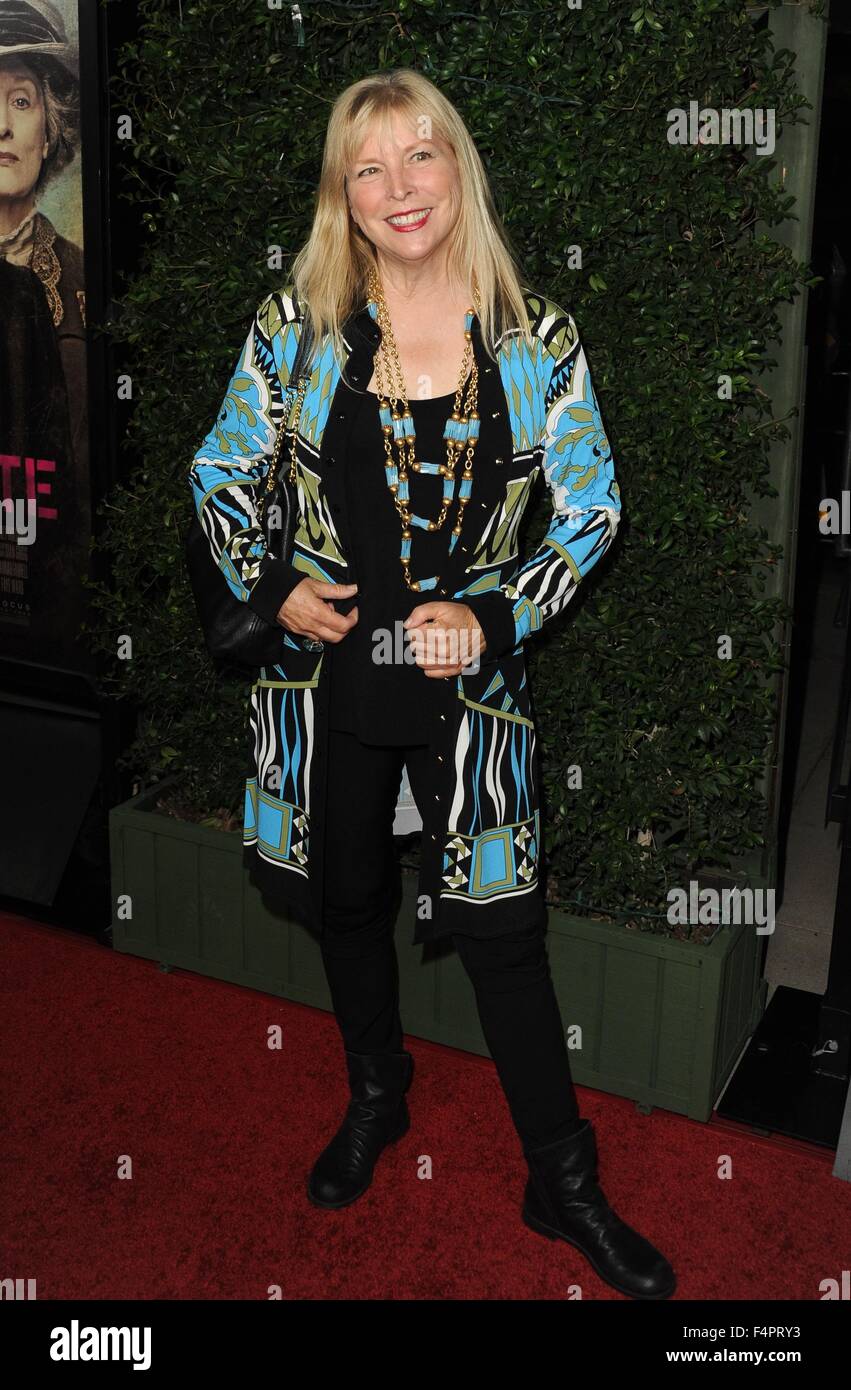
<point x="277" y="580"/>
<point x="494" y="613"/>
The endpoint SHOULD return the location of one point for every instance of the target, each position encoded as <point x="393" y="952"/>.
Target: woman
<point x="436" y="391"/>
<point x="39" y="135"/>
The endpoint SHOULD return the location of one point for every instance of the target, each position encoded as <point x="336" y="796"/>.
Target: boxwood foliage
<point x="652" y="745"/>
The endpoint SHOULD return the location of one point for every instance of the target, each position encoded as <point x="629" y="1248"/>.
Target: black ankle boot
<point x="564" y="1201"/>
<point x="377" y="1115"/>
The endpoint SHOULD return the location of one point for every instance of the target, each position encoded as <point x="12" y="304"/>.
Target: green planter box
<point x="662" y="1021"/>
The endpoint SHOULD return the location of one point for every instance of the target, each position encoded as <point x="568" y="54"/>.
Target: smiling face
<point x="404" y="193"/>
<point x="23" y="145"/>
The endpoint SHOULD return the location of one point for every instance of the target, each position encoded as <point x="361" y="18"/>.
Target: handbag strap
<point x="304" y="342"/>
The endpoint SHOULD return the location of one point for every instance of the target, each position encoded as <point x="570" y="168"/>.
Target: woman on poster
<point x="39" y="136"/>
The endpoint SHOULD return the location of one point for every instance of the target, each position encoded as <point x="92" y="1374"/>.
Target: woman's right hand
<point x="308" y="612"/>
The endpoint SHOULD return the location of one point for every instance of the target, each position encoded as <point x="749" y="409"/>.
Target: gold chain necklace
<point x="462" y="429"/>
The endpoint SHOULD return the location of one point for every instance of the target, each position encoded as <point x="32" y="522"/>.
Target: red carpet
<point x="106" y="1056"/>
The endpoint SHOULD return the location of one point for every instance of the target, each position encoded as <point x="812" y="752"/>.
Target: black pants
<point x="510" y="974"/>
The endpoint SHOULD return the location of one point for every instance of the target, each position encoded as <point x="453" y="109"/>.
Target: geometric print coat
<point x="480" y="855"/>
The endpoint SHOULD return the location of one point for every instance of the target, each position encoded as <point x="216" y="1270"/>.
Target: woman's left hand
<point x="445" y="637"/>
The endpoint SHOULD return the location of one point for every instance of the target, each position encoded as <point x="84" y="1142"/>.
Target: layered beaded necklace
<point x="462" y="430"/>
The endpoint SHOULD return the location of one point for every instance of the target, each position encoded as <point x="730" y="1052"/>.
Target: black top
<point x="388" y="702"/>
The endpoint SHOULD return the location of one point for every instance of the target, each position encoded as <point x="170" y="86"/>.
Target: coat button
<point x="443" y="716"/>
<point x="499" y="462"/>
<point x="440" y="757"/>
<point x="495" y="414"/>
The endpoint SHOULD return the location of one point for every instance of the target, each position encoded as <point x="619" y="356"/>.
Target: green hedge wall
<point x="568" y="108"/>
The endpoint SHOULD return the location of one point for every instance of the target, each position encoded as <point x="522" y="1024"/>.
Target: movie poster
<point x="45" y="517"/>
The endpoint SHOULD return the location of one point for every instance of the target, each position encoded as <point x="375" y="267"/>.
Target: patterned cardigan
<point x="481" y="838"/>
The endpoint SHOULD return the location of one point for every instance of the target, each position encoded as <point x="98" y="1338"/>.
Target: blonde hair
<point x="330" y="272"/>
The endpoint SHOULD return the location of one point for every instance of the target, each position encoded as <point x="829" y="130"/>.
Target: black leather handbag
<point x="233" y="631"/>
